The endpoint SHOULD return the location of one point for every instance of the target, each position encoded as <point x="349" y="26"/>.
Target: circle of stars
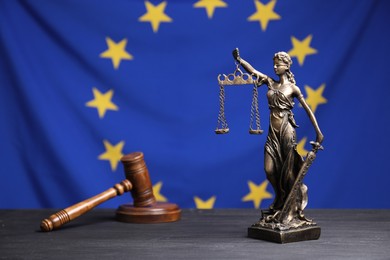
<point x="156" y="15"/>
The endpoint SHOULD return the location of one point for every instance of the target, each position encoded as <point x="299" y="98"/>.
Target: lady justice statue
<point x="284" y="221"/>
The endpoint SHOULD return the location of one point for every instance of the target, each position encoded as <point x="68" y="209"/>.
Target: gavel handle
<point x="64" y="216"/>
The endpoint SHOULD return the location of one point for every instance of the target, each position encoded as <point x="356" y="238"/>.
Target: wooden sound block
<point x="159" y="212"/>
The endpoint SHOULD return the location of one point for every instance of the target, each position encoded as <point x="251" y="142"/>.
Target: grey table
<point x="200" y="234"/>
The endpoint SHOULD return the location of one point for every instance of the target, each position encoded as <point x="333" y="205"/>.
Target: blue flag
<point x="83" y="83"/>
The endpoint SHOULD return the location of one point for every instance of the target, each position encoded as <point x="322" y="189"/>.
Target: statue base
<point x="284" y="236"/>
<point x="160" y="212"/>
<point x="298" y="228"/>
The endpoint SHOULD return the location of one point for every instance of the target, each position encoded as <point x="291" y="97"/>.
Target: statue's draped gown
<point x="281" y="148"/>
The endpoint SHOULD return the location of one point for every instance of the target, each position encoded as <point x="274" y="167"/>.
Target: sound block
<point x="159" y="212"/>
<point x="286" y="236"/>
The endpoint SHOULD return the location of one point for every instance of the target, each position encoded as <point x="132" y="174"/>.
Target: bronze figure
<point x="284" y="221"/>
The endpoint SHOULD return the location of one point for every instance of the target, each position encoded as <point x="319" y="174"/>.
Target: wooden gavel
<point x="144" y="209"/>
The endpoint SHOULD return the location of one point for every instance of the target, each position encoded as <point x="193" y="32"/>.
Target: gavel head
<point x="137" y="173"/>
<point x="144" y="209"/>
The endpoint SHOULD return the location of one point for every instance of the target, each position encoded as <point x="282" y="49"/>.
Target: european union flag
<point x="84" y="82"/>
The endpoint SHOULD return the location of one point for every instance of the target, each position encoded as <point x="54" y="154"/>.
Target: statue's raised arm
<point x="247" y="66"/>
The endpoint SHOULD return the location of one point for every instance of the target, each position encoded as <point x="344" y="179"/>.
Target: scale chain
<point x="221" y="116"/>
<point x="255" y="114"/>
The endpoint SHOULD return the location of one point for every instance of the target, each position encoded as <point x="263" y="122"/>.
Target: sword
<point x="280" y="215"/>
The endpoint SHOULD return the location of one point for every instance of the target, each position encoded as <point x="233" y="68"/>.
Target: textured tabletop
<point x="200" y="234"/>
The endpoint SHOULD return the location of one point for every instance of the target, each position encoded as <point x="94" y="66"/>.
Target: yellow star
<point x="116" y="52"/>
<point x="210" y="6"/>
<point x="112" y="154"/>
<point x="314" y="97"/>
<point x="155" y="15"/>
<point x="208" y="204"/>
<point x="102" y="102"/>
<point x="264" y="13"/>
<point x="156" y="192"/>
<point x="301" y="48"/>
<point x="257" y="193"/>
<point x="301" y="147"/>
